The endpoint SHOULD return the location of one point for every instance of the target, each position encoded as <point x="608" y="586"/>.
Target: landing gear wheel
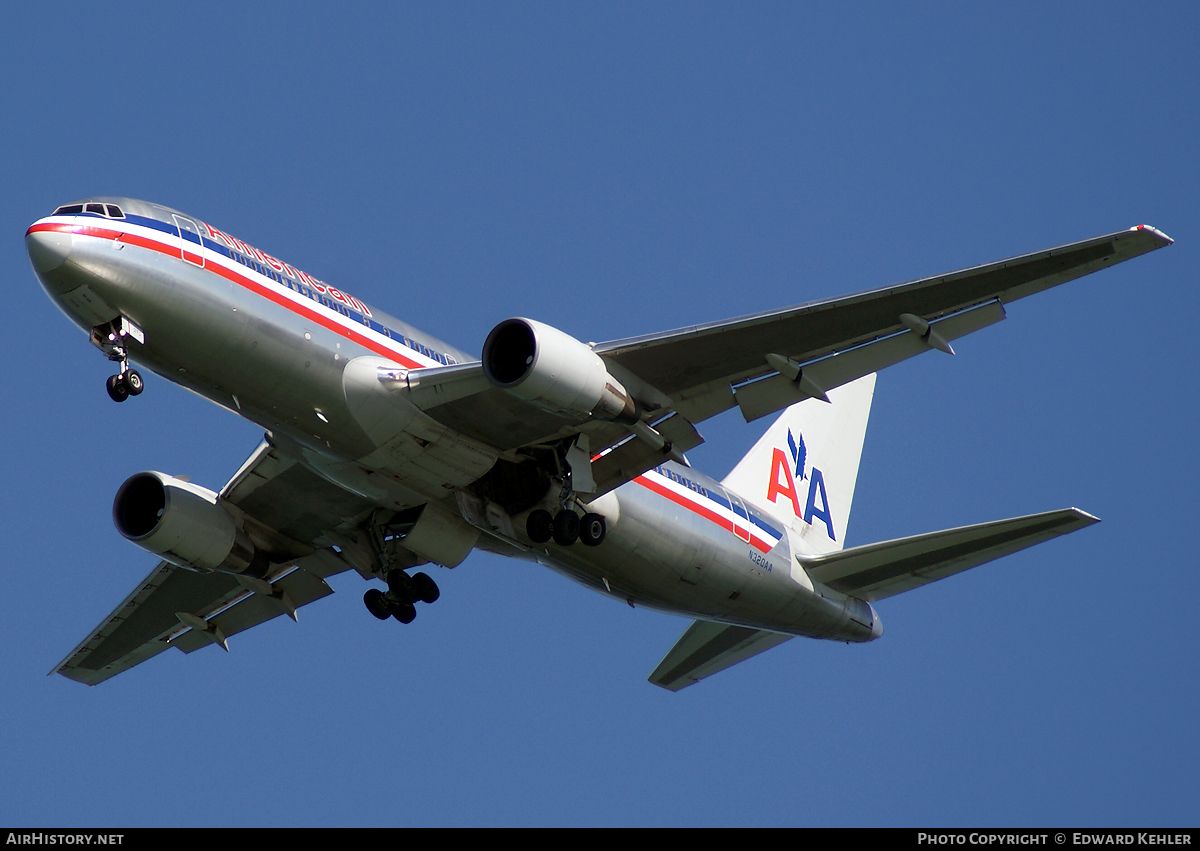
<point x="592" y="530"/>
<point x="400" y="586"/>
<point x="133" y="382"/>
<point x="424" y="588"/>
<point x="540" y="526"/>
<point x="377" y="604"/>
<point x="566" y="527"/>
<point x="118" y="390"/>
<point x="404" y="612"/>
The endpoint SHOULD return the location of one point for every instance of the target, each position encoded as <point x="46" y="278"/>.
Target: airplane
<point x="386" y="449"/>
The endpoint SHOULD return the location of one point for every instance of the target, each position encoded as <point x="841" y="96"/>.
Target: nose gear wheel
<point x="123" y="385"/>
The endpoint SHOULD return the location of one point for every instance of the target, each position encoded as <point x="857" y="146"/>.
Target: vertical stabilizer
<point x="804" y="468"/>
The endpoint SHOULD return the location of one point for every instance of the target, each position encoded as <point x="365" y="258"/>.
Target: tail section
<point x="804" y="468"/>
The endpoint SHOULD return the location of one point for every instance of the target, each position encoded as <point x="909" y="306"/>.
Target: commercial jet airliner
<point x="387" y="449"/>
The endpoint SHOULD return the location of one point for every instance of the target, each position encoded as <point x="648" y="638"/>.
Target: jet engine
<point x="184" y="524"/>
<point x="554" y="371"/>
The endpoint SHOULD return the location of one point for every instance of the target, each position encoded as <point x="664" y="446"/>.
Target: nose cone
<point x="48" y="249"/>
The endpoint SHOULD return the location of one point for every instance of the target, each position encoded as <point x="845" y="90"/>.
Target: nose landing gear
<point x="112" y="339"/>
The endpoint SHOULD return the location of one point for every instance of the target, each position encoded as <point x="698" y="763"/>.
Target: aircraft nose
<point x="48" y="249"/>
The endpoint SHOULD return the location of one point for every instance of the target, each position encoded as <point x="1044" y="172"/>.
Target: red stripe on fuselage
<point x="239" y="279"/>
<point x="703" y="511"/>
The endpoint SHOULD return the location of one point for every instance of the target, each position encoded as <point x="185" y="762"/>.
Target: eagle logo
<point x="799" y="453"/>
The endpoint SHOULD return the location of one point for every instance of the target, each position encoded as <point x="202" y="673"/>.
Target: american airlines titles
<point x="286" y="269"/>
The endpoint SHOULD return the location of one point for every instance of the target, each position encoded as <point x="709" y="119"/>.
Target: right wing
<point x="764" y="362"/>
<point x="875" y="571"/>
<point x="704" y="368"/>
<point x="175" y="607"/>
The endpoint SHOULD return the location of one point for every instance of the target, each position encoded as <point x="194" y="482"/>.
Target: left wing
<point x="707" y="648"/>
<point x="175" y="607"/>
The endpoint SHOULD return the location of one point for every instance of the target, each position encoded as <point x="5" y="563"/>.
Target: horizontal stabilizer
<point x="875" y="571"/>
<point x="707" y="648"/>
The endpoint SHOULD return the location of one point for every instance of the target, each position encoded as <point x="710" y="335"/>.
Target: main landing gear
<point x="565" y="528"/>
<point x="403" y="591"/>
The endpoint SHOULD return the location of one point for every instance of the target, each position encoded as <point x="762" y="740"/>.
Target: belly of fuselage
<point x="661" y="555"/>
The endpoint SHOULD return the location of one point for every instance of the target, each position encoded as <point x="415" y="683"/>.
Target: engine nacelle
<point x="182" y="523"/>
<point x="554" y="371"/>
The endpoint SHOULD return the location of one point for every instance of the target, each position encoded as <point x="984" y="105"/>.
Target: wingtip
<point x="1155" y="232"/>
<point x="1088" y="519"/>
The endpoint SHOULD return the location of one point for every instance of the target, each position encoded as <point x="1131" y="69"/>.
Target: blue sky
<point x="612" y="170"/>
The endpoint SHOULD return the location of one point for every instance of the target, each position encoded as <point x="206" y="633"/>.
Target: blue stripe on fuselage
<point x="169" y="229"/>
<point x="714" y="493"/>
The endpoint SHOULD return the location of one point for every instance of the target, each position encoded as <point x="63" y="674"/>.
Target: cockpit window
<point x="112" y="211"/>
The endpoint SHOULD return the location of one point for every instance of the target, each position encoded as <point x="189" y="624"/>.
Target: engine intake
<point x="553" y="370"/>
<point x="184" y="524"/>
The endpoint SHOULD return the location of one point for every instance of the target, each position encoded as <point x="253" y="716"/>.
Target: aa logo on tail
<point x="786" y="474"/>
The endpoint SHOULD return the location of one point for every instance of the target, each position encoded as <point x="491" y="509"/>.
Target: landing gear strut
<point x="403" y="591"/>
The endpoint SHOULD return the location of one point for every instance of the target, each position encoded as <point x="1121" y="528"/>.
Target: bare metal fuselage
<point x="301" y="359"/>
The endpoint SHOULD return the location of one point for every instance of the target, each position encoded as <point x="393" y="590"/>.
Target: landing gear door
<point x="190" y="240"/>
